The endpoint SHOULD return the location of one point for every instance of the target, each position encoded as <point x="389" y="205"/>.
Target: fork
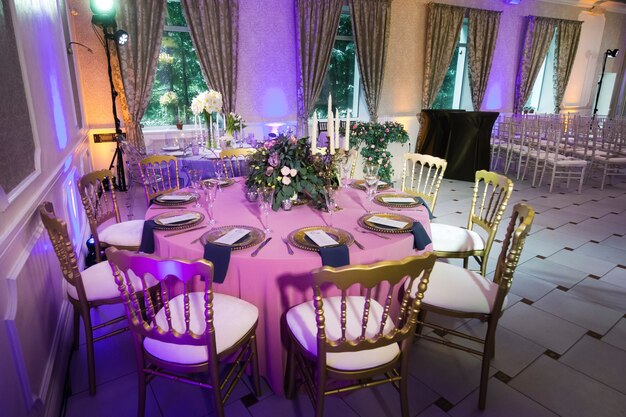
<point x="286" y="241"/>
<point x="358" y="229"/>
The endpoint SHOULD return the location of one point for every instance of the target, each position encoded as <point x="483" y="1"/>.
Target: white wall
<point x="33" y="334"/>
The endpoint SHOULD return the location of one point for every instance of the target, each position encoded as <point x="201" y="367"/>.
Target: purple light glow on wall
<point x="493" y="99"/>
<point x="72" y="211"/>
<point x="57" y="111"/>
<point x="274" y="104"/>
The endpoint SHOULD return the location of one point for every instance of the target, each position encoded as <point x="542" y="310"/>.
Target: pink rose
<point x="293" y="172"/>
<point x="369" y="159"/>
<point x="285" y="170"/>
<point x="269" y="171"/>
<point x="286" y="180"/>
<point x="293" y="140"/>
<point x="386" y="130"/>
<point x="354" y="126"/>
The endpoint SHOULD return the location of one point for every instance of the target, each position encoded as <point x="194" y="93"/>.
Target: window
<point x="178" y="76"/>
<point x="342" y="76"/>
<point x="541" y="98"/>
<point x="455" y="90"/>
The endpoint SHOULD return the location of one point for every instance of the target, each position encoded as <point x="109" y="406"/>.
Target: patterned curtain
<point x="370" y="23"/>
<point x="567" y="37"/>
<point x="483" y="32"/>
<point x="214" y="28"/>
<point x="143" y="20"/>
<point x="316" y="28"/>
<point x="539" y="33"/>
<point x="442" y="36"/>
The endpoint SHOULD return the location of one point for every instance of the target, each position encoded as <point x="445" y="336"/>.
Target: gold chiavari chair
<point x="186" y="330"/>
<point x="91" y="288"/>
<point x="422" y="175"/>
<point x="159" y="174"/>
<point x="356" y="338"/>
<point x="485" y="213"/>
<point x="456" y="292"/>
<point x="98" y="197"/>
<point x="234" y="161"/>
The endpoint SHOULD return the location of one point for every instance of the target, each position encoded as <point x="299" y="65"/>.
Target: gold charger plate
<point x="158" y="200"/>
<point x="198" y="217"/>
<point x="253" y="238"/>
<point x="360" y="185"/>
<point x="378" y="199"/>
<point x="226" y="182"/>
<point x="363" y="221"/>
<point x="299" y="239"/>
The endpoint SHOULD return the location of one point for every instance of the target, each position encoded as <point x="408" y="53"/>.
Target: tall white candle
<point x="329" y="125"/>
<point x="314" y="134"/>
<point x="346" y="140"/>
<point x="337" y="123"/>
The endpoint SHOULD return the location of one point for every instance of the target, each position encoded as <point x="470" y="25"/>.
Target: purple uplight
<point x="274" y="103"/>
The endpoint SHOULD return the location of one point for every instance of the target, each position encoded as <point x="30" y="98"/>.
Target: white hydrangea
<point x="168" y="98"/>
<point x="209" y="101"/>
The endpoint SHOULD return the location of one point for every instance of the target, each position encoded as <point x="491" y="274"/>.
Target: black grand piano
<point x="460" y="137"/>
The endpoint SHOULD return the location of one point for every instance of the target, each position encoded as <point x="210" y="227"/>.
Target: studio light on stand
<point x="609" y="53"/>
<point x="104" y="17"/>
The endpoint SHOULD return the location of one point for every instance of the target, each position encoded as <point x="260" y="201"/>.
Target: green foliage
<point x="373" y="138"/>
<point x="178" y="70"/>
<point x="445" y="97"/>
<point x="287" y="165"/>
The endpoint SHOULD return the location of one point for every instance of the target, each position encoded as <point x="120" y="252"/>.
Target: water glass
<point x="371" y="186"/>
<point x="371" y="169"/>
<point x="266" y="199"/>
<point x="220" y="172"/>
<point x="345" y="168"/>
<point x="331" y="204"/>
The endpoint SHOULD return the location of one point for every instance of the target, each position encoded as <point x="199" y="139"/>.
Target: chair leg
<point x="141" y="408"/>
<point x="91" y="366"/>
<point x="404" y="387"/>
<point x="255" y="368"/>
<point x="488" y="353"/>
<point x="421" y="316"/>
<point x="290" y="377"/>
<point x="217" y="394"/>
<point x="465" y="262"/>
<point x="76" y="327"/>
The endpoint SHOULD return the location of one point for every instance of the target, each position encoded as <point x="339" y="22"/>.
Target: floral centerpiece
<point x="373" y="138"/>
<point x="287" y="165"/>
<point x="234" y="123"/>
<point x="168" y="101"/>
<point x="207" y="103"/>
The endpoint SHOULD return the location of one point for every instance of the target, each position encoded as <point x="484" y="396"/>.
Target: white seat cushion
<point x="457" y="288"/>
<point x="301" y="322"/>
<point x="233" y="319"/>
<point x="122" y="234"/>
<point x="99" y="283"/>
<point x="448" y="238"/>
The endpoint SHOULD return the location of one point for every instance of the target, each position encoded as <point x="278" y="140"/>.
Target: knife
<point x="184" y="231"/>
<point x="356" y="242"/>
<point x="261" y="246"/>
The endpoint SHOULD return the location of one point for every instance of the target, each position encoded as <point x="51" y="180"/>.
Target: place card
<point x="178" y="219"/>
<point x="401" y="200"/>
<point x="321" y="238"/>
<point x="387" y="222"/>
<point x="233" y="236"/>
<point x="176" y="197"/>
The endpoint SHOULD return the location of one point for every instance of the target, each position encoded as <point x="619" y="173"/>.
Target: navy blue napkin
<point x="420" y="237"/>
<point x="220" y="256"/>
<point x="147" y="237"/>
<point x="430" y="213"/>
<point x="335" y="256"/>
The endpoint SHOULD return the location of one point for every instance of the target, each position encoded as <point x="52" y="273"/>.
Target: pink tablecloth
<point x="275" y="280"/>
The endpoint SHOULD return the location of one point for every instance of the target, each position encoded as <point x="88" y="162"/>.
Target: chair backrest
<point x="381" y="282"/>
<point x="159" y="174"/>
<point x="98" y="196"/>
<point x="62" y="244"/>
<point x="322" y="126"/>
<point x="234" y="161"/>
<point x="158" y="312"/>
<point x="422" y="175"/>
<point x="491" y="195"/>
<point x="512" y="245"/>
<point x="132" y="156"/>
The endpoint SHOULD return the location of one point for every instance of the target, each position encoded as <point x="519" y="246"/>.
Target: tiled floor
<point x="561" y="345"/>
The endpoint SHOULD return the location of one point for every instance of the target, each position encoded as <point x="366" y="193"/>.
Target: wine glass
<point x="371" y="186"/>
<point x="196" y="184"/>
<point x="371" y="169"/>
<point x="210" y="193"/>
<point x="345" y="171"/>
<point x="331" y="203"/>
<point x="219" y="173"/>
<point x="266" y="199"/>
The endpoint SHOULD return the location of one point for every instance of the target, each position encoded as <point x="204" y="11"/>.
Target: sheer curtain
<point x="442" y="36"/>
<point x="316" y="27"/>
<point x="539" y="33"/>
<point x="143" y="20"/>
<point x="483" y="32"/>
<point x="214" y="28"/>
<point x="370" y="23"/>
<point x="567" y="37"/>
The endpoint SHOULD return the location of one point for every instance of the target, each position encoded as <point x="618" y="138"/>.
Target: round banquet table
<point x="274" y="281"/>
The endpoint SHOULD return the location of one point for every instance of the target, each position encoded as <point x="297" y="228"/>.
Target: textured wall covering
<point x="15" y="119"/>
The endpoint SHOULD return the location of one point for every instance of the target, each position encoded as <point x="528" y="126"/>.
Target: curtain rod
<point x="465" y="7"/>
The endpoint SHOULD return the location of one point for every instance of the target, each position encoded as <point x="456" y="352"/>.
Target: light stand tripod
<point x="609" y="53"/>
